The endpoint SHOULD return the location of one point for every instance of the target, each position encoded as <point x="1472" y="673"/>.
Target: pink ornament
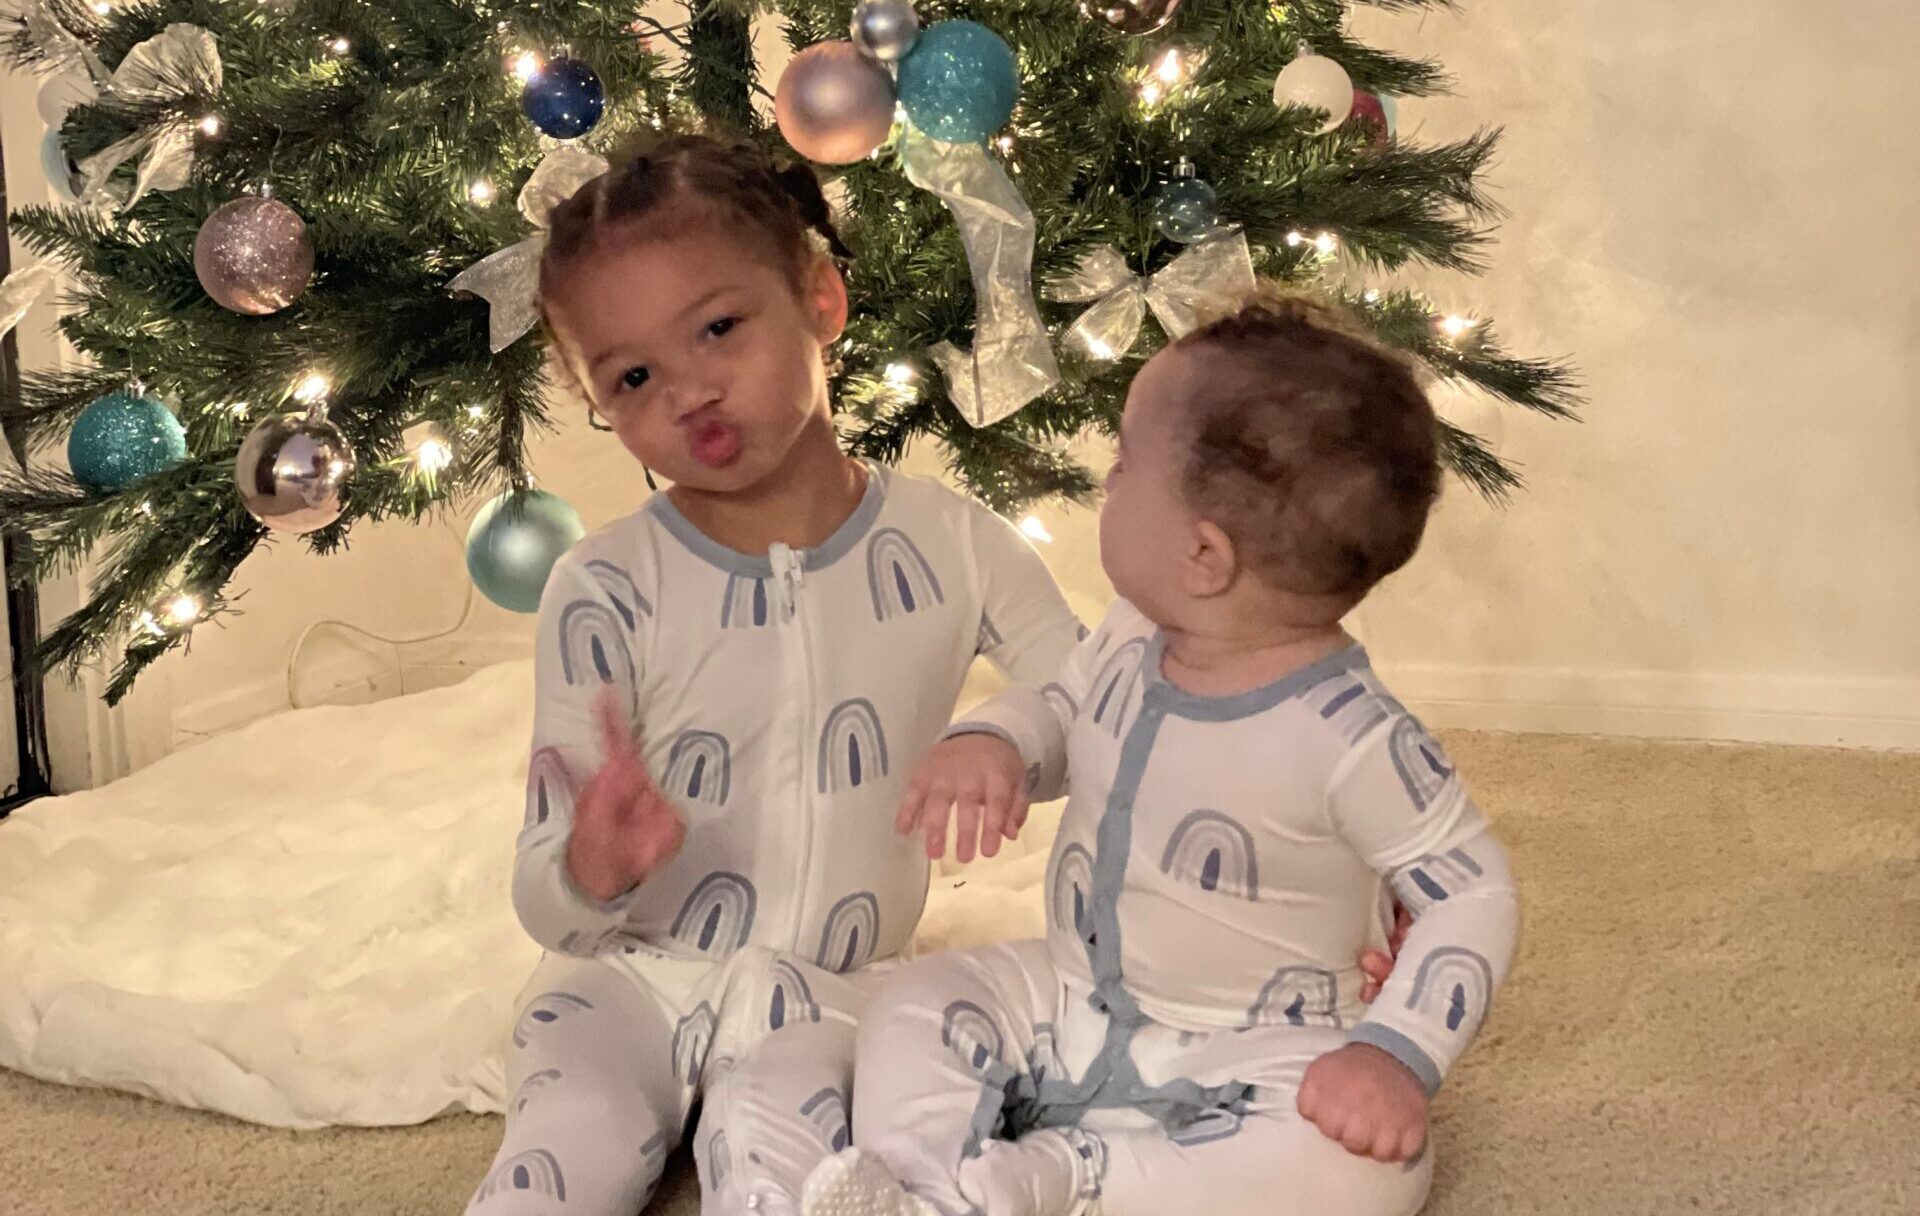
<point x="1370" y="113"/>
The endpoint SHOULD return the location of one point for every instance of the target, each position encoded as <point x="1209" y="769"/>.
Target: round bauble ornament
<point x="1186" y="210"/>
<point x="122" y="438"/>
<point x="834" y="105"/>
<point x="1134" y="17"/>
<point x="885" y="29"/>
<point x="253" y="256"/>
<point x="293" y="472"/>
<point x="960" y="82"/>
<point x="564" y="98"/>
<point x="514" y="542"/>
<point x="1317" y="83"/>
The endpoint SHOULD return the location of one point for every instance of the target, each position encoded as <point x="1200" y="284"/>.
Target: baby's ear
<point x="1212" y="562"/>
<point x="826" y="295"/>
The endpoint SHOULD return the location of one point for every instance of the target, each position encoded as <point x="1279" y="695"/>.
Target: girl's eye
<point x="634" y="377"/>
<point x="723" y="326"/>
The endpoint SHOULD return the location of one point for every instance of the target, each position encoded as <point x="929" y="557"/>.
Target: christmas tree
<point x="271" y="201"/>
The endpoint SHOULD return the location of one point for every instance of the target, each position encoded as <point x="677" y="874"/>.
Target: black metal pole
<point x="23" y="600"/>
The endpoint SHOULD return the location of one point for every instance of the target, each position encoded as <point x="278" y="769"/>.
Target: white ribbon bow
<point x="1216" y="272"/>
<point x="180" y="61"/>
<point x="1012" y="361"/>
<point x="21" y="290"/>
<point x="59" y="46"/>
<point x="509" y="281"/>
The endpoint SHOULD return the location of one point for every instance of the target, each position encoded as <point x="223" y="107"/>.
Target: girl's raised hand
<point x="623" y="826"/>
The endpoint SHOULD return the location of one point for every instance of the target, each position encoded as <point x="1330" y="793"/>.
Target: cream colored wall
<point x="1711" y="208"/>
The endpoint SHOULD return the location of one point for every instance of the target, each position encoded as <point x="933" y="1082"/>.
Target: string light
<point x="1296" y="239"/>
<point x="526" y="65"/>
<point x="210" y="125"/>
<point x="481" y="192"/>
<point x="1172" y="68"/>
<point x="313" y="388"/>
<point x="476" y="411"/>
<point x="429" y="449"/>
<point x="900" y="375"/>
<point x="340" y="46"/>
<point x="1457" y="327"/>
<point x="101" y="8"/>
<point x="239" y="408"/>
<point x="1006" y="144"/>
<point x="1326" y="243"/>
<point x="150" y="625"/>
<point x="184" y="610"/>
<point x="1033" y="528"/>
<point x="1151" y="93"/>
<point x="1098" y="348"/>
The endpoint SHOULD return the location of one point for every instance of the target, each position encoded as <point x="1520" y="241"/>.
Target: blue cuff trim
<point x="1401" y="1048"/>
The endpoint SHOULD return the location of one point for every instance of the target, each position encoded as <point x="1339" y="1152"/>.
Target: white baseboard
<point x="348" y="678"/>
<point x="1810" y="711"/>
<point x="1802" y="710"/>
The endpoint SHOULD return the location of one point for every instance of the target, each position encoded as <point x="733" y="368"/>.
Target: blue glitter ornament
<point x="959" y="82"/>
<point x="121" y="438"/>
<point x="564" y="98"/>
<point x="514" y="541"/>
<point x="1186" y="210"/>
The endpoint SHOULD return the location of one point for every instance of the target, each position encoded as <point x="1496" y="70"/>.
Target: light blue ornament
<point x="121" y="438"/>
<point x="1186" y="210"/>
<point x="1391" y="105"/>
<point x="514" y="541"/>
<point x="959" y="82"/>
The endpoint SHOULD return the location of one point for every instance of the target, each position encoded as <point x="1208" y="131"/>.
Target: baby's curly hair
<point x="1323" y="476"/>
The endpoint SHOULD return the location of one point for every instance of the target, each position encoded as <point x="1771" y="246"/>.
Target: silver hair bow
<point x="180" y="61"/>
<point x="1216" y="272"/>
<point x="1012" y="360"/>
<point x="509" y="281"/>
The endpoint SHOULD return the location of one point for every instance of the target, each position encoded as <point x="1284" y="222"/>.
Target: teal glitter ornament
<point x="514" y="542"/>
<point x="1186" y="210"/>
<point x="959" y="82"/>
<point x="123" y="437"/>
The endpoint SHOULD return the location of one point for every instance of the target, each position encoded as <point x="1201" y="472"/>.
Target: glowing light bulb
<point x="210" y="125"/>
<point x="1033" y="528"/>
<point x="151" y="625"/>
<point x="481" y="192"/>
<point x="184" y="610"/>
<point x="239" y="408"/>
<point x="1151" y="93"/>
<point x="476" y="411"/>
<point x="1326" y="242"/>
<point x="1296" y="239"/>
<point x="1099" y="349"/>
<point x="313" y="388"/>
<point x="146" y="508"/>
<point x="101" y="8"/>
<point x="1457" y="327"/>
<point x="526" y="65"/>
<point x="899" y="375"/>
<point x="1006" y="143"/>
<point x="340" y="46"/>
<point x="1172" y="68"/>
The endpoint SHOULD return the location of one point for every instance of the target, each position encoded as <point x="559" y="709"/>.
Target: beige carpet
<point x="1717" y="1009"/>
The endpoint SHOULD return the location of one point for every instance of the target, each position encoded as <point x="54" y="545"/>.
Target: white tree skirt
<point x="307" y="922"/>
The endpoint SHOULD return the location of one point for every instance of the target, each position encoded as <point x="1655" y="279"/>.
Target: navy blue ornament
<point x="564" y="98"/>
<point x="514" y="542"/>
<point x="1186" y="210"/>
<point x="959" y="82"/>
<point x="121" y="438"/>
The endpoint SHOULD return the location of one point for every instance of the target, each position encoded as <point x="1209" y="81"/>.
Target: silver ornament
<point x="834" y="104"/>
<point x="253" y="256"/>
<point x="885" y="29"/>
<point x="1135" y="17"/>
<point x="292" y="473"/>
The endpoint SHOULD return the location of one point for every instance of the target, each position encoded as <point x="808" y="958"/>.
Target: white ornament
<point x="1317" y="83"/>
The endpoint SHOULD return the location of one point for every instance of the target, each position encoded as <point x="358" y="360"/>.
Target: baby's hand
<point x="1368" y="1101"/>
<point x="980" y="774"/>
<point x="623" y="826"/>
<point x="1378" y="967"/>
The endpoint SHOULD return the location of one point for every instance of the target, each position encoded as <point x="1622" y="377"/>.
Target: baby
<point x="1191" y="1035"/>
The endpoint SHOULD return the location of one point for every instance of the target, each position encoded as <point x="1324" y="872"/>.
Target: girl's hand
<point x="1369" y="1102"/>
<point x="982" y="777"/>
<point x="623" y="826"/>
<point x="1377" y="966"/>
